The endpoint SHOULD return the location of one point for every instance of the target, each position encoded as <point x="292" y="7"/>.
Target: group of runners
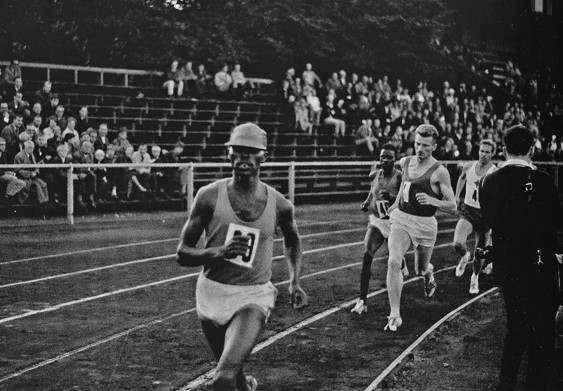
<point x="403" y="199"/>
<point x="238" y="217"/>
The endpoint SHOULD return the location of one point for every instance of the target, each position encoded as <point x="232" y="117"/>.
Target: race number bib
<point x="382" y="207"/>
<point x="246" y="260"/>
<point x="406" y="189"/>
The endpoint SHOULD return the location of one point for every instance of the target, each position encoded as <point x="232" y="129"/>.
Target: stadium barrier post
<point x="70" y="195"/>
<point x="291" y="182"/>
<point x="190" y="187"/>
<point x="556" y="175"/>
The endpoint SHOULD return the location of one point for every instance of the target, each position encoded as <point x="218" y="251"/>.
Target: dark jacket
<point x="506" y="209"/>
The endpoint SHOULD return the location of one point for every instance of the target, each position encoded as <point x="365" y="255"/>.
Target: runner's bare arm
<point x="292" y="250"/>
<point x="187" y="253"/>
<point x="441" y="179"/>
<point x="461" y="181"/>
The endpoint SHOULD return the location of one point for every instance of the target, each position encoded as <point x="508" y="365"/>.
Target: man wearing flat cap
<point x="234" y="294"/>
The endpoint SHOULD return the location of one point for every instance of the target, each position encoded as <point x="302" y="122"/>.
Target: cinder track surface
<point x="103" y="306"/>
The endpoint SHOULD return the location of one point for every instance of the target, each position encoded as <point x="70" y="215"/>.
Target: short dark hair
<point x="490" y="143"/>
<point x="518" y="140"/>
<point x="426" y="130"/>
<point x="389" y="147"/>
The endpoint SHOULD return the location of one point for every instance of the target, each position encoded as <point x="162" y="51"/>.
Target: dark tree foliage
<point x="266" y="35"/>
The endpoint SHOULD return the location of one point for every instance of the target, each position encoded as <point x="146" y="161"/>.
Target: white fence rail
<point x="296" y="180"/>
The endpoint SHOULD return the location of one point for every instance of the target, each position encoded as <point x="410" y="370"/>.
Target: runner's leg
<point x="373" y="240"/>
<point x="399" y="243"/>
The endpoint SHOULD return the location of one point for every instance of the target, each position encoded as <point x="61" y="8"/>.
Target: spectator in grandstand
<point x="49" y="131"/>
<point x="11" y="133"/>
<point x="190" y="78"/>
<point x="6" y="116"/>
<point x="333" y="84"/>
<point x="204" y="84"/>
<point x="11" y="73"/>
<point x="19" y="106"/>
<point x="101" y="174"/>
<point x="302" y="122"/>
<point x="37" y="124"/>
<point x="71" y="129"/>
<point x="36" y="110"/>
<point x="234" y="300"/>
<point x="121" y="142"/>
<point x="142" y="174"/>
<point x="241" y="85"/>
<point x="297" y="87"/>
<point x="112" y="173"/>
<point x="315" y="108"/>
<point x="50" y="108"/>
<point x="310" y="78"/>
<point x="44" y="95"/>
<point x="172" y="178"/>
<point x="285" y="92"/>
<point x="36" y="190"/>
<point x="60" y="175"/>
<point x="174" y="79"/>
<point x="71" y="142"/>
<point x="366" y="142"/>
<point x="10" y="184"/>
<point x="329" y="115"/>
<point x="157" y="175"/>
<point x="60" y="117"/>
<point x="82" y="121"/>
<point x="86" y="183"/>
<point x="54" y="141"/>
<point x="102" y="140"/>
<point x="223" y="82"/>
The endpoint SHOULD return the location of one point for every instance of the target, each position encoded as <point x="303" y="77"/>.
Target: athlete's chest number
<point x="475" y="195"/>
<point x="406" y="189"/>
<point x="382" y="208"/>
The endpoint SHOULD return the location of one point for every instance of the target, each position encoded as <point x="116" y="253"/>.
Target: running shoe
<point x="430" y="288"/>
<point x="251" y="383"/>
<point x="460" y="269"/>
<point x="474" y="284"/>
<point x="360" y="307"/>
<point x="488" y="269"/>
<point x="393" y="323"/>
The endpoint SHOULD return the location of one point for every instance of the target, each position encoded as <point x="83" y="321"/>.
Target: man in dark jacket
<point x="521" y="206"/>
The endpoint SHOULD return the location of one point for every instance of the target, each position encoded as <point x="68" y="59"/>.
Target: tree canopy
<point x="267" y="36"/>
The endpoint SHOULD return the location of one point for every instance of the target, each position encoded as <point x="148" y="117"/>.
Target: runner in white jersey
<point x="471" y="219"/>
<point x="234" y="295"/>
<point x="383" y="192"/>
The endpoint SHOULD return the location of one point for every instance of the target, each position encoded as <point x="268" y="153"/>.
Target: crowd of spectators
<point x="225" y="84"/>
<point x="36" y="129"/>
<point x="376" y="112"/>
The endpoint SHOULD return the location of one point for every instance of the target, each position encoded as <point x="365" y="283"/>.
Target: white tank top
<point x="255" y="268"/>
<point x="472" y="186"/>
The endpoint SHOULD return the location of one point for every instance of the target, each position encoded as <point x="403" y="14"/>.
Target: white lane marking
<point x="156" y="321"/>
<point x="258" y="347"/>
<point x="204" y="378"/>
<point x="155" y="283"/>
<point x="42" y="257"/>
<point x="420" y="339"/>
<point x="143" y="260"/>
<point x="92" y="345"/>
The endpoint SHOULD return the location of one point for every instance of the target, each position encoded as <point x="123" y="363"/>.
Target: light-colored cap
<point x="248" y="135"/>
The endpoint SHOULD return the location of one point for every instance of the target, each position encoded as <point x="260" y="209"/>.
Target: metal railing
<point x="76" y="70"/>
<point x="304" y="181"/>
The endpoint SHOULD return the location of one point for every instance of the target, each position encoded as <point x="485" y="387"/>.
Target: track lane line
<point x="140" y="244"/>
<point x="143" y="260"/>
<point x="421" y="339"/>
